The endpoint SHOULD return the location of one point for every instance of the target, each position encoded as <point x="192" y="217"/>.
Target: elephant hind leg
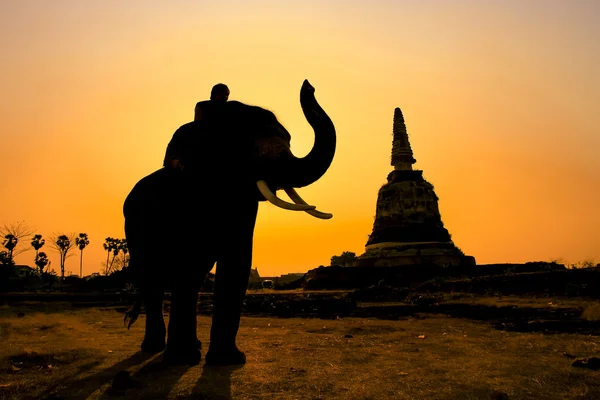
<point x="183" y="346"/>
<point x="154" y="337"/>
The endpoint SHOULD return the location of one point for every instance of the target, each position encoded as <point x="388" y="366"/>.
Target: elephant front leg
<point x="230" y="290"/>
<point x="155" y="332"/>
<point x="231" y="282"/>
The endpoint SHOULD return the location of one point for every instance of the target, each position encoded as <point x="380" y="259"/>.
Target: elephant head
<point x="256" y="147"/>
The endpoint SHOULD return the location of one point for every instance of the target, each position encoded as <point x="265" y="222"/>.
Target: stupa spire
<point x="402" y="154"/>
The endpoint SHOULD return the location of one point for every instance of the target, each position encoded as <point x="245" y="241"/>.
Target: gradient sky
<point x="500" y="100"/>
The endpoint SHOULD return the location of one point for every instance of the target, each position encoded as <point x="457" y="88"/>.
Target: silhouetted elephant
<point x="179" y="222"/>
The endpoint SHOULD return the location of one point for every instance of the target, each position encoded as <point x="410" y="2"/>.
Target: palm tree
<point x="123" y="247"/>
<point x="108" y="243"/>
<point x="63" y="244"/>
<point x="10" y="242"/>
<point x="111" y="245"/>
<point x="37" y="243"/>
<point x="41" y="260"/>
<point x="5" y="259"/>
<point x="116" y="251"/>
<point x="81" y="241"/>
<point x="108" y="246"/>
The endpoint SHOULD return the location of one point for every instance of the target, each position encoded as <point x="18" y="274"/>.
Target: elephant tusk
<point x="273" y="199"/>
<point x="298" y="200"/>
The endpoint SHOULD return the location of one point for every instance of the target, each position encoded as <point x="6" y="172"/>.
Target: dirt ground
<point x="61" y="351"/>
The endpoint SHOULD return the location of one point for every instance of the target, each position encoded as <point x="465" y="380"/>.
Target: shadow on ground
<point x="145" y="376"/>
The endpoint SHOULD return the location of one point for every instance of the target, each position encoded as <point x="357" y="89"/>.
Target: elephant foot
<point x="225" y="357"/>
<point x="190" y="356"/>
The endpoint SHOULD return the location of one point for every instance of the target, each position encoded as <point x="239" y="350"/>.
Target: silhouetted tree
<point x="588" y="263"/>
<point x="16" y="231"/>
<point x="119" y="263"/>
<point x="124" y="249"/>
<point x="63" y="244"/>
<point x="41" y="260"/>
<point x="344" y="259"/>
<point x="37" y="243"/>
<point x="81" y="241"/>
<point x="10" y="242"/>
<point x="5" y="258"/>
<point x="114" y="246"/>
<point x="108" y="247"/>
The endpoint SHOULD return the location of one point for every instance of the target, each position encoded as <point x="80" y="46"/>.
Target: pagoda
<point x="408" y="228"/>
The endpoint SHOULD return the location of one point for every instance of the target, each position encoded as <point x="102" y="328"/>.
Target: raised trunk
<point x="303" y="171"/>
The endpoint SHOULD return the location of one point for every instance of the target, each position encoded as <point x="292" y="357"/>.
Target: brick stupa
<point x="408" y="228"/>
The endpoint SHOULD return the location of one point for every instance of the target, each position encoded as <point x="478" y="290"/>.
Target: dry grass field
<point x="61" y="351"/>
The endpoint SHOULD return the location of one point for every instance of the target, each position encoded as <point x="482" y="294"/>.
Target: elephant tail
<point x="134" y="312"/>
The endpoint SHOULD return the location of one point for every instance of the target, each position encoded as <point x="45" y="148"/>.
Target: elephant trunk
<point x="308" y="169"/>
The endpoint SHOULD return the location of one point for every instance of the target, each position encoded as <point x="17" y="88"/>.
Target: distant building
<point x="254" y="275"/>
<point x="24" y="270"/>
<point x="255" y="281"/>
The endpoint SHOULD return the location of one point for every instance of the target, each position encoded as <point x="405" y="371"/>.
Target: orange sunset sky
<point x="500" y="100"/>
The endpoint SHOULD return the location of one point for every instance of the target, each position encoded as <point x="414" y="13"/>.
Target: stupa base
<point x="443" y="254"/>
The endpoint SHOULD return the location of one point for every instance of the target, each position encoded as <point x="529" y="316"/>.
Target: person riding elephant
<point x="219" y="95"/>
<point x="180" y="221"/>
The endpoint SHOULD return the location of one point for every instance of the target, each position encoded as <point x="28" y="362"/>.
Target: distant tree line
<point x="15" y="237"/>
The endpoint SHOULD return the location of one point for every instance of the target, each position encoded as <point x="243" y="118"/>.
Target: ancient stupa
<point x="408" y="228"/>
